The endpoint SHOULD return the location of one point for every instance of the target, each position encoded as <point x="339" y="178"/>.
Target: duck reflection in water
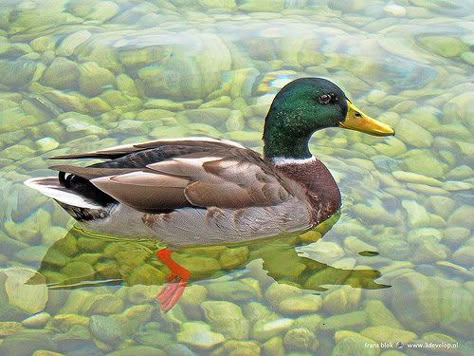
<point x="83" y="259"/>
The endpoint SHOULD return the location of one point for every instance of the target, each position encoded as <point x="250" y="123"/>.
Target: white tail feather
<point x="51" y="187"/>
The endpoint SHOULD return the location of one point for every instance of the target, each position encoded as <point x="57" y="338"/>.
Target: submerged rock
<point x="94" y="79"/>
<point x="25" y="343"/>
<point x="353" y="321"/>
<point x="457" y="316"/>
<point x="382" y="333"/>
<point x="193" y="71"/>
<point x="274" y="347"/>
<point x="227" y="318"/>
<point x="265" y="329"/>
<point x="16" y="74"/>
<point x="415" y="301"/>
<point x="300" y="339"/>
<point x="379" y="314"/>
<point x="61" y="74"/>
<point x="300" y="305"/>
<point x="198" y="334"/>
<point x="222" y="4"/>
<point x="141" y="350"/>
<point x="147" y="275"/>
<point x="231" y="290"/>
<point x="234" y="347"/>
<point x="342" y="299"/>
<point x="37" y="320"/>
<point x="462" y="216"/>
<point x="445" y="46"/>
<point x="25" y="289"/>
<point x="64" y="322"/>
<point x="277" y="293"/>
<point x="413" y="134"/>
<point x="106" y="328"/>
<point x="104" y="304"/>
<point x="464" y="255"/>
<point x="71" y="42"/>
<point x="423" y="162"/>
<point x="355" y="344"/>
<point x="8" y="328"/>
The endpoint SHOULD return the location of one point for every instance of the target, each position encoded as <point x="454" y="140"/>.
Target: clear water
<point x="391" y="275"/>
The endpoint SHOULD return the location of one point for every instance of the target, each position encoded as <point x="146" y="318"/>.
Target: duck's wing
<point x="184" y="173"/>
<point x="198" y="143"/>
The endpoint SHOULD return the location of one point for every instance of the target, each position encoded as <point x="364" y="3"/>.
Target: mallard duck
<point x="193" y="191"/>
<point x="204" y="190"/>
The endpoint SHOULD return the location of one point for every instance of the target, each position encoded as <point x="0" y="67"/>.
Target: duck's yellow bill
<point x="357" y="120"/>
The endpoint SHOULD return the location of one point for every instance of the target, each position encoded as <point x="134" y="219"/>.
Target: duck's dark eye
<point x="324" y="99"/>
<point x="328" y="98"/>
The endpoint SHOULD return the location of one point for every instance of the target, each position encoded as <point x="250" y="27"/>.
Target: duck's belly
<point x="191" y="226"/>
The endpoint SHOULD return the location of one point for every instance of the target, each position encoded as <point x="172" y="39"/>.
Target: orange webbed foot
<point x="177" y="280"/>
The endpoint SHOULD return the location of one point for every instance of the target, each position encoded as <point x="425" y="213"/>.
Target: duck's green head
<point x="306" y="105"/>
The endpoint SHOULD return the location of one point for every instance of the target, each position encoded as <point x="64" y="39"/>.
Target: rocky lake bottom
<point x="390" y="275"/>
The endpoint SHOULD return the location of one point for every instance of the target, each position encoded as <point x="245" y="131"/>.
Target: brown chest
<point x="321" y="188"/>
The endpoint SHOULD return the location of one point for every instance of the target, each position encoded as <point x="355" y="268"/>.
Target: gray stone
<point x="234" y="347"/>
<point x="61" y="74"/>
<point x="104" y="304"/>
<point x="262" y="5"/>
<point x="379" y="314"/>
<point x="227" y="318"/>
<point x="395" y="249"/>
<point x="64" y="322"/>
<point x="300" y="339"/>
<point x="103" y="11"/>
<point x="413" y="134"/>
<point x="416" y="213"/>
<point x="105" y="328"/>
<point x="25" y="289"/>
<point x="192" y="72"/>
<point x="8" y="328"/>
<point x="25" y="343"/>
<point x="353" y="320"/>
<point x="423" y="162"/>
<point x="222" y="4"/>
<point x="324" y="251"/>
<point x="16" y="74"/>
<point x="94" y="79"/>
<point x="277" y="293"/>
<point x="445" y="46"/>
<point x="141" y="350"/>
<point x="265" y="329"/>
<point x="71" y="42"/>
<point x="462" y="216"/>
<point x="382" y="333"/>
<point x="231" y="290"/>
<point x="37" y="320"/>
<point x="350" y="343"/>
<point x="198" y="334"/>
<point x="415" y="301"/>
<point x="300" y="305"/>
<point x="464" y="255"/>
<point x="342" y="299"/>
